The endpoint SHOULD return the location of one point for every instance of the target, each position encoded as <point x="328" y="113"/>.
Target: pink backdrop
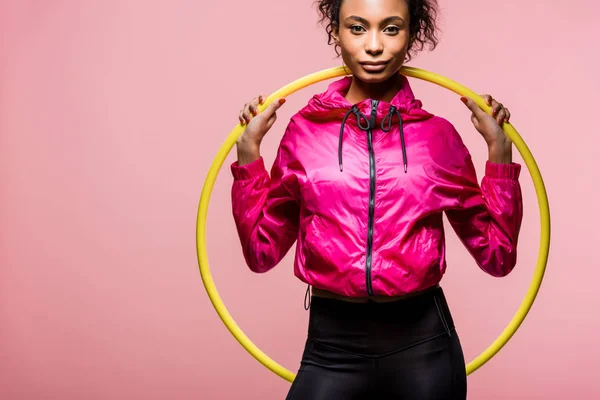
<point x="110" y="115"/>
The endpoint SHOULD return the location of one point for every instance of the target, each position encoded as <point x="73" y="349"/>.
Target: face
<point x="373" y="36"/>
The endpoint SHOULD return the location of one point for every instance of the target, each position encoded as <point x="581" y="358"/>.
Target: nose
<point x="374" y="44"/>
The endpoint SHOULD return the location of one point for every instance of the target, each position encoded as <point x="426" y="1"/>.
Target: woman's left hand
<point x="490" y="127"/>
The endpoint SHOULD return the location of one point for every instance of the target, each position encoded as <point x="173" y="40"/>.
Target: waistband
<point x="316" y="292"/>
<point x="376" y="328"/>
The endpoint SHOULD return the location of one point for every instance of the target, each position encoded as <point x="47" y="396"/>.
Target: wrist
<point x="500" y="153"/>
<point x="247" y="151"/>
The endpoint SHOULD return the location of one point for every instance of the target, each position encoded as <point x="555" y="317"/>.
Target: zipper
<point x="369" y="258"/>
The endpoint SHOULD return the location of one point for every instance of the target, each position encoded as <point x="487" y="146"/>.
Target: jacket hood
<point x="332" y="104"/>
<point x="367" y="115"/>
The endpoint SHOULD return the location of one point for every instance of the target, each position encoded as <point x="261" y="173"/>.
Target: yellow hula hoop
<point x="530" y="162"/>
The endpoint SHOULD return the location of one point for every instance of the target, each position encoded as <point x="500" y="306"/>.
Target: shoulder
<point x="294" y="136"/>
<point x="443" y="126"/>
<point x="298" y="127"/>
<point x="447" y="149"/>
<point x="447" y="133"/>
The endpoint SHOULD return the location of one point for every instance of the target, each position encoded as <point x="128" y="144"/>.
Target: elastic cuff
<point x="248" y="171"/>
<point x="502" y="171"/>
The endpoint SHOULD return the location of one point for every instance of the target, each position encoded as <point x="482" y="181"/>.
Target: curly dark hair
<point x="423" y="28"/>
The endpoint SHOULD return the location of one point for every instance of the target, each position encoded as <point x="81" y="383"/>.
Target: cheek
<point x="398" y="49"/>
<point x="349" y="52"/>
<point x="398" y="44"/>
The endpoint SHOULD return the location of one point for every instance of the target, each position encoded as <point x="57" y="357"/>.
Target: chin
<point x="374" y="78"/>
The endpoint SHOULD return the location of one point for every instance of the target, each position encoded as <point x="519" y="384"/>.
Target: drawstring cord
<point x="359" y="117"/>
<point x="307" y="298"/>
<point x="386" y="126"/>
<point x="389" y="117"/>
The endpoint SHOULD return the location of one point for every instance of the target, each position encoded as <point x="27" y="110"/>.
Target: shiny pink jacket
<point x="362" y="190"/>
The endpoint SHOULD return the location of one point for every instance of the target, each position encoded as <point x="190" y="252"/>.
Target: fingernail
<point x="281" y="101"/>
<point x="463" y="99"/>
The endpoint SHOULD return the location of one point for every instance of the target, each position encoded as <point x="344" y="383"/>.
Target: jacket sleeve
<point x="487" y="218"/>
<point x="266" y="209"/>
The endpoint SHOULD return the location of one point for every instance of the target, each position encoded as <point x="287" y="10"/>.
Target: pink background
<point x="110" y="115"/>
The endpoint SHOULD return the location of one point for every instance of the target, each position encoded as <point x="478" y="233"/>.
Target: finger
<point x="488" y="99"/>
<point x="507" y="119"/>
<point x="252" y="109"/>
<point x="496" y="107"/>
<point x="471" y="105"/>
<point x="254" y="106"/>
<point x="501" y="116"/>
<point x="255" y="103"/>
<point x="242" y="116"/>
<point x="248" y="112"/>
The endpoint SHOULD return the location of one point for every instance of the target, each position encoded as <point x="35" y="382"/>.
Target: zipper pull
<point x="374" y="104"/>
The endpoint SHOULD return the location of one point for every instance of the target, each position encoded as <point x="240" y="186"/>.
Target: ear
<point x="335" y="32"/>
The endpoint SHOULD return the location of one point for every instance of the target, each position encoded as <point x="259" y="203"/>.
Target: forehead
<point x="373" y="9"/>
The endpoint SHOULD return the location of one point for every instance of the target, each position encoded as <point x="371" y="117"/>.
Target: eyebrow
<point x="365" y="22"/>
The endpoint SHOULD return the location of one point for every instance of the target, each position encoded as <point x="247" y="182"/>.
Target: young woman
<point x="362" y="178"/>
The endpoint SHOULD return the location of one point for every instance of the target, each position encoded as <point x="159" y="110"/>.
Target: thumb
<point x="273" y="107"/>
<point x="471" y="105"/>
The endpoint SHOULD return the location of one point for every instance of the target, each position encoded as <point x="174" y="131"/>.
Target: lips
<point x="374" y="66"/>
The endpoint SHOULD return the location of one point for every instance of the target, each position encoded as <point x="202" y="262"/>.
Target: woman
<point x="362" y="178"/>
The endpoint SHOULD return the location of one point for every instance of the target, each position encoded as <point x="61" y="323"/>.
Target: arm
<point x="487" y="219"/>
<point x="266" y="209"/>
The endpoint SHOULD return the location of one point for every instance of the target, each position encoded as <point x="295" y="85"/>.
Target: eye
<point x="394" y="30"/>
<point x="356" y="29"/>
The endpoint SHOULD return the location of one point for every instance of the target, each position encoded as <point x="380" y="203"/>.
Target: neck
<point x="383" y="91"/>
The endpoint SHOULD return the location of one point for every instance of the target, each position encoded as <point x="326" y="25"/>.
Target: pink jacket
<point x="362" y="189"/>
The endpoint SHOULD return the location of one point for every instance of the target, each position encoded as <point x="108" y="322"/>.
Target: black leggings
<point x="406" y="349"/>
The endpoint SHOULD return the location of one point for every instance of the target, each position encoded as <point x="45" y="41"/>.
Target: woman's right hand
<point x="257" y="125"/>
